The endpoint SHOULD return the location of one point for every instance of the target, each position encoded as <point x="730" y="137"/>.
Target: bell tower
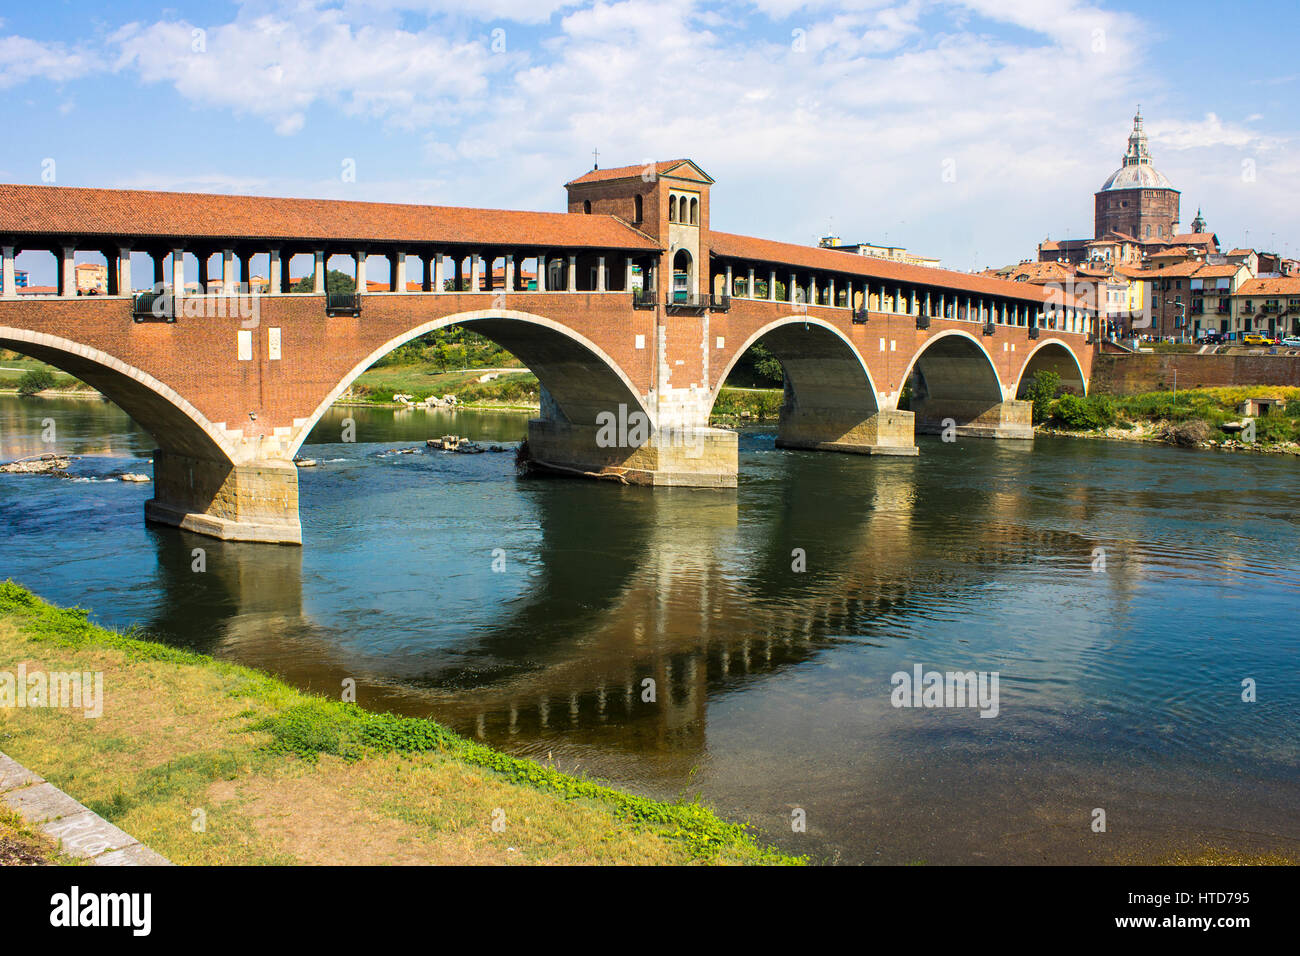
<point x="668" y="201"/>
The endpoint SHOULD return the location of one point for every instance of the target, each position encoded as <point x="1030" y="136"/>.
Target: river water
<point x="1122" y="593"/>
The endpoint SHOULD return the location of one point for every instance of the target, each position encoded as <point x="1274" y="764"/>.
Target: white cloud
<point x="23" y="59"/>
<point x="1208" y="131"/>
<point x="278" y="66"/>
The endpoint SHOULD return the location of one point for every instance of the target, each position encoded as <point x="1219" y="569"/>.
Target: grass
<point x="755" y="404"/>
<point x="278" y="776"/>
<point x="21" y="844"/>
<point x="14" y="367"/>
<point x="379" y="384"/>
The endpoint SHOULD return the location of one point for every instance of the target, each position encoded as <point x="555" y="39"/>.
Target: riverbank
<point x="209" y="762"/>
<point x="1207" y="418"/>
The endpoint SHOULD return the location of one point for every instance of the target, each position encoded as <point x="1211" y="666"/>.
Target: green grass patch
<point x="756" y="404"/>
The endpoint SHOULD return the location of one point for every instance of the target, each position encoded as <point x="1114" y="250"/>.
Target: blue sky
<point x="967" y="131"/>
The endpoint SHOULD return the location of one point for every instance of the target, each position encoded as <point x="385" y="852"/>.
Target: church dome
<point x="1142" y="176"/>
<point x="1137" y="171"/>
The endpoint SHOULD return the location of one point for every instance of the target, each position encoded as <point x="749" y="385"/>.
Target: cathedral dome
<point x="1138" y="176"/>
<point x="1137" y="171"/>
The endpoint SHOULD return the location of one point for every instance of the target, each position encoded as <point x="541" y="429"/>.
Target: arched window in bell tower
<point x="672" y="208"/>
<point x="695" y="212"/>
<point x="636" y="203"/>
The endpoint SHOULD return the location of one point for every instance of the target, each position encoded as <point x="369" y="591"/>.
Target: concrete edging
<point x="79" y="831"/>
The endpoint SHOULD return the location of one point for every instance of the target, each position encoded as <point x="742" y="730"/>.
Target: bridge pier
<point x="974" y="419"/>
<point x="887" y="432"/>
<point x="696" y="457"/>
<point x="252" y="501"/>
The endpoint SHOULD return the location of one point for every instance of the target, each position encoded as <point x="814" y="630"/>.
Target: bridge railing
<point x="342" y="303"/>
<point x="692" y="302"/>
<point x="153" y="307"/>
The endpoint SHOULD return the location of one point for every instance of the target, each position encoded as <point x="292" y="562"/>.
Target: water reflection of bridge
<point x="698" y="595"/>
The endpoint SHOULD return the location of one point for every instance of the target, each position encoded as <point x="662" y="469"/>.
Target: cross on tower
<point x="595" y="159"/>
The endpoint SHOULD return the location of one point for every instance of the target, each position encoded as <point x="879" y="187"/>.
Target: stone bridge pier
<point x="253" y="500"/>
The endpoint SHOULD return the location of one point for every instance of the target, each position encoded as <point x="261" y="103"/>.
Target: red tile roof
<point x="1285" y="285"/>
<point x="1223" y="271"/>
<point x="628" y="172"/>
<point x="1176" y="271"/>
<point x="62" y="210"/>
<point x="832" y="260"/>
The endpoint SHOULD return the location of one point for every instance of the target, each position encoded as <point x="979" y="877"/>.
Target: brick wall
<point x="1126" y="374"/>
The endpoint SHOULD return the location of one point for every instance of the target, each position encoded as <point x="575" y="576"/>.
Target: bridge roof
<point x="833" y="260"/>
<point x="147" y="214"/>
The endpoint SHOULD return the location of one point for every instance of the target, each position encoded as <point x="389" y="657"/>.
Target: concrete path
<point x="79" y="832"/>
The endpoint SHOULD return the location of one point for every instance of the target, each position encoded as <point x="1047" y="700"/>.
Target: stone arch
<point x="954" y="382"/>
<point x="1055" y="356"/>
<point x="831" y="401"/>
<point x="581" y="378"/>
<point x="169" y="418"/>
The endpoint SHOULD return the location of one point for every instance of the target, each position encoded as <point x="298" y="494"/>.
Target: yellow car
<point x="1252" y="339"/>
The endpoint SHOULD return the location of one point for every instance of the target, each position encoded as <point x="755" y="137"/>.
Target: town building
<point x="92" y="278"/>
<point x="888" y="253"/>
<point x="1268" y="305"/>
<point x="20" y="280"/>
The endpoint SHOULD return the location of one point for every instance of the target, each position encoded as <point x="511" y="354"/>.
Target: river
<point x="1122" y="594"/>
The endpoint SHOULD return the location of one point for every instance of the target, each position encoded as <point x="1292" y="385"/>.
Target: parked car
<point x="1254" y="338"/>
<point x="1213" y="338"/>
<point x="1291" y="341"/>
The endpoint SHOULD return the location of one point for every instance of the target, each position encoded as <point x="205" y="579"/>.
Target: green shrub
<point x="37" y="380"/>
<point x="1042" y="389"/>
<point x="1274" y="428"/>
<point x="1084" y="414"/>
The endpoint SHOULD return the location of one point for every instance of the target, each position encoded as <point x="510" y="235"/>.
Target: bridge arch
<point x="954" y="382"/>
<point x="830" y="402"/>
<point x="582" y="379"/>
<point x="814" y="354"/>
<point x="172" y="421"/>
<point x="1053" y="355"/>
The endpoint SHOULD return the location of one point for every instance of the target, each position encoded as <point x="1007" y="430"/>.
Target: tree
<point x="767" y="365"/>
<point x="36" y="380"/>
<point x="1042" y="389"/>
<point x="335" y="281"/>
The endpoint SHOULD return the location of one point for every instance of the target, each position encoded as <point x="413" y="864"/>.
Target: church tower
<point x="1137" y="200"/>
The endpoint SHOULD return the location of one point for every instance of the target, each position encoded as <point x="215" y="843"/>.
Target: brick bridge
<point x="627" y="307"/>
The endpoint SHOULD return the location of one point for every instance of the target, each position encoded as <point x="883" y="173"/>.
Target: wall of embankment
<point x="1154" y="372"/>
